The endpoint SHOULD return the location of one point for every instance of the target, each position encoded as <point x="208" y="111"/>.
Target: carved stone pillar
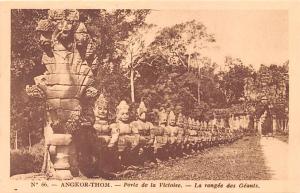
<point x="67" y="48"/>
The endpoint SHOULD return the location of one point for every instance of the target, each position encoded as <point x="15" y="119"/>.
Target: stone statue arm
<point x="135" y="133"/>
<point x="180" y="135"/>
<point x="152" y="133"/>
<point x="114" y="135"/>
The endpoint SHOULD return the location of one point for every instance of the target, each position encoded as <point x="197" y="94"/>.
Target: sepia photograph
<point x="149" y="97"/>
<point x="149" y="94"/>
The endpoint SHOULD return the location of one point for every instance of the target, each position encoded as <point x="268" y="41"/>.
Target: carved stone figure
<point x="161" y="136"/>
<point x="199" y="139"/>
<point x="107" y="156"/>
<point x="146" y="132"/>
<point x="65" y="83"/>
<point x="186" y="136"/>
<point x="172" y="132"/>
<point x="128" y="139"/>
<point x="181" y="135"/>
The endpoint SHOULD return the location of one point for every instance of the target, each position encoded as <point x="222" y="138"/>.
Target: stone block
<point x="41" y="80"/>
<point x="63" y="79"/>
<point x="61" y="162"/>
<point x="63" y="175"/>
<point x="85" y="70"/>
<point x="48" y="132"/>
<point x="63" y="67"/>
<point x="64" y="115"/>
<point x="63" y="150"/>
<point x="58" y="47"/>
<point x="60" y="139"/>
<point x="69" y="104"/>
<point x="52" y="150"/>
<point x="49" y="62"/>
<point x="53" y="103"/>
<point x="62" y="91"/>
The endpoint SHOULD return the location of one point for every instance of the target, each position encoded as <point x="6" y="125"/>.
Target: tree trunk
<point x="199" y="79"/>
<point x="29" y="140"/>
<point x="132" y="85"/>
<point x="16" y="140"/>
<point x="189" y="60"/>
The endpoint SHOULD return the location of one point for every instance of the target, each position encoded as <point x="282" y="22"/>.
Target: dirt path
<point x="242" y="160"/>
<point x="276" y="155"/>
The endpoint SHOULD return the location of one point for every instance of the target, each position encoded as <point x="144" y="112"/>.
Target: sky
<point x="255" y="36"/>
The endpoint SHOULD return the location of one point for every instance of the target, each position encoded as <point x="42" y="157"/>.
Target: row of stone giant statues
<point x="113" y="148"/>
<point x="74" y="144"/>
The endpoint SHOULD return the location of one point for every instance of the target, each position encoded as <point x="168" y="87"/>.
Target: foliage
<point x="31" y="160"/>
<point x="174" y="71"/>
<point x="233" y="81"/>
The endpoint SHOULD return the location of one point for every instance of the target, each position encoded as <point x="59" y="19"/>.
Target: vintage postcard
<point x="157" y="96"/>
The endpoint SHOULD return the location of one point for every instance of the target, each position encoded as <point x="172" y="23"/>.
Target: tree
<point x="233" y="81"/>
<point x="107" y="28"/>
<point x="26" y="115"/>
<point x="134" y="48"/>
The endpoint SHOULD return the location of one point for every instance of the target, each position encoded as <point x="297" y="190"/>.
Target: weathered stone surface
<point x="69" y="104"/>
<point x="62" y="91"/>
<point x="60" y="139"/>
<point x="63" y="150"/>
<point x="65" y="114"/>
<point x="85" y="70"/>
<point x="52" y="150"/>
<point x="49" y="62"/>
<point x="61" y="162"/>
<point x="53" y="103"/>
<point x="48" y="132"/>
<point x="35" y="91"/>
<point x="63" y="175"/>
<point x="41" y="80"/>
<point x="69" y="79"/>
<point x="58" y="47"/>
<point x="56" y="14"/>
<point x="71" y="15"/>
<point x="63" y="79"/>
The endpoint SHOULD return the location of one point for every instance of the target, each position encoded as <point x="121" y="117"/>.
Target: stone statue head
<point x="64" y="33"/>
<point x="163" y="117"/>
<point x="197" y="125"/>
<point x="171" y="119"/>
<point x="180" y="120"/>
<point x="81" y="37"/>
<point x="46" y="28"/>
<point x="189" y="123"/>
<point x="67" y="21"/>
<point x="123" y="112"/>
<point x="101" y="107"/>
<point x="141" y="111"/>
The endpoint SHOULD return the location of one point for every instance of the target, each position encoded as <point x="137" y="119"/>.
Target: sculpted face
<point x="163" y="120"/>
<point x="123" y="115"/>
<point x="100" y="112"/>
<point x="172" y="122"/>
<point x="142" y="116"/>
<point x="65" y="31"/>
<point x="81" y="39"/>
<point x="45" y="41"/>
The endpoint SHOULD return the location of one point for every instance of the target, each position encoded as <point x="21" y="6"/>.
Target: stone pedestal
<point x="60" y="152"/>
